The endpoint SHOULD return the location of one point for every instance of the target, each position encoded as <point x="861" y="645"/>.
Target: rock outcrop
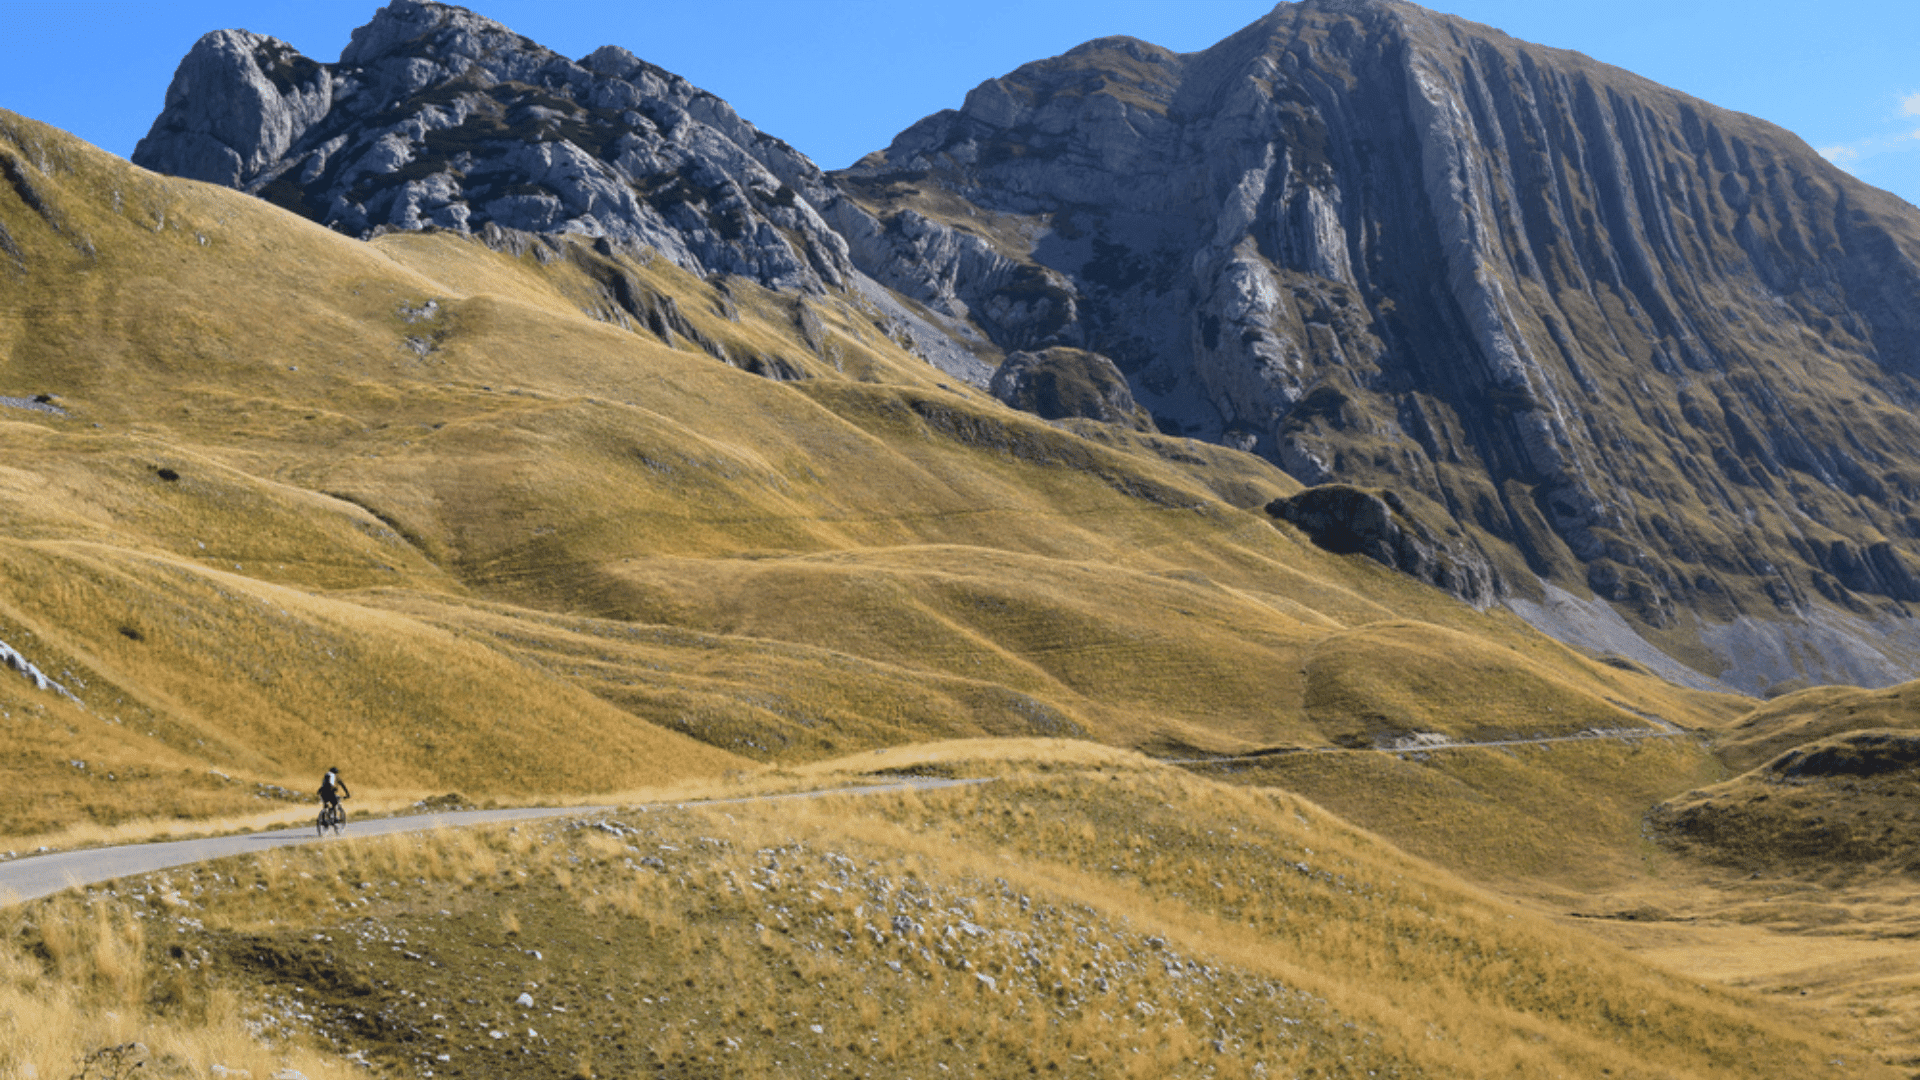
<point x="1348" y="521"/>
<point x="1058" y="383"/>
<point x="10" y="658"/>
<point x="437" y="117"/>
<point x="1656" y="350"/>
<point x="1636" y="346"/>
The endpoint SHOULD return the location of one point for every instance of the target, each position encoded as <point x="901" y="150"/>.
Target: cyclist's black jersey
<point x="331" y="789"/>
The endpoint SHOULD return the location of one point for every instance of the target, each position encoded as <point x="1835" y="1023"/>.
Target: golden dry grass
<point x="447" y="518"/>
<point x="446" y="514"/>
<point x="1089" y="913"/>
<point x="1558" y="820"/>
<point x="1814" y="714"/>
<point x="88" y="985"/>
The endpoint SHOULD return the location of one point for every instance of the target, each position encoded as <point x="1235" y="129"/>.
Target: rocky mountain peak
<point x="1639" y="348"/>
<point x="435" y="117"/>
<point x="421" y="29"/>
<point x="611" y="60"/>
<point x="1385" y="247"/>
<point x="237" y="103"/>
<point x="1052" y="109"/>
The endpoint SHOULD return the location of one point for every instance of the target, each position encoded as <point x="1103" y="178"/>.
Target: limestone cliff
<point x="437" y="117"/>
<point x="1638" y="348"/>
<point x="1639" y="345"/>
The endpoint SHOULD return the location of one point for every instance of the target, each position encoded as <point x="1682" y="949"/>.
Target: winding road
<point x="1667" y="730"/>
<point x="43" y="875"/>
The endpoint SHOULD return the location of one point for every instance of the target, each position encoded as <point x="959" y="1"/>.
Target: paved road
<point x="44" y="875"/>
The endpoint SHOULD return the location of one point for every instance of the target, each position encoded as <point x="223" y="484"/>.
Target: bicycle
<point x="332" y="816"/>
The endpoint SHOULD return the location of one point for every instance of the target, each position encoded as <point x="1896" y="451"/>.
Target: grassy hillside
<point x="457" y="518"/>
<point x="1811" y="715"/>
<point x="1087" y="913"/>
<point x="546" y="525"/>
<point x="1824" y="789"/>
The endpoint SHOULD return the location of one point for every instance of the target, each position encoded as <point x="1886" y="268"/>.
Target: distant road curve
<point x="1668" y="731"/>
<point x="43" y="875"/>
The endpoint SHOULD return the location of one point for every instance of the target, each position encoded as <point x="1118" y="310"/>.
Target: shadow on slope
<point x="387" y="448"/>
<point x="1839" y="806"/>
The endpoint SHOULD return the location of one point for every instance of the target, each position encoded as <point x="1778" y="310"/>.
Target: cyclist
<point x="332" y="790"/>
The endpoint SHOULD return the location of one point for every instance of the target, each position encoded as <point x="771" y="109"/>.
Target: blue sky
<point x="838" y="78"/>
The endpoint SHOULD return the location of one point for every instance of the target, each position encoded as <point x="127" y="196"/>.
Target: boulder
<point x="1063" y="382"/>
<point x="1348" y="520"/>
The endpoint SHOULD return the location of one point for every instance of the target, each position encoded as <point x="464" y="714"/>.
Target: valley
<point x="1375" y="656"/>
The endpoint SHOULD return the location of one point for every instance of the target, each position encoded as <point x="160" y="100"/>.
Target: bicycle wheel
<point x="320" y="823"/>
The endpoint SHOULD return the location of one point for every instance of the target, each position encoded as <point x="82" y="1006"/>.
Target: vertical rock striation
<point x="1638" y="344"/>
<point x="1635" y="345"/>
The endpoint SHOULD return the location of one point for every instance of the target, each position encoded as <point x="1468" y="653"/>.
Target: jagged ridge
<point x="1631" y="343"/>
<point x="437" y="117"/>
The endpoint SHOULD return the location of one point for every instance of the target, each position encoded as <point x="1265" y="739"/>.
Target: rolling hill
<point x="1635" y="351"/>
<point x="508" y="513"/>
<point x="435" y="501"/>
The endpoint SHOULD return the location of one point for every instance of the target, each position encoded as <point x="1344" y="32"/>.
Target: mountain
<point x="1644" y="355"/>
<point x="504" y="513"/>
<point x="288" y="488"/>
<point x="435" y="117"/>
<point x="1658" y="351"/>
